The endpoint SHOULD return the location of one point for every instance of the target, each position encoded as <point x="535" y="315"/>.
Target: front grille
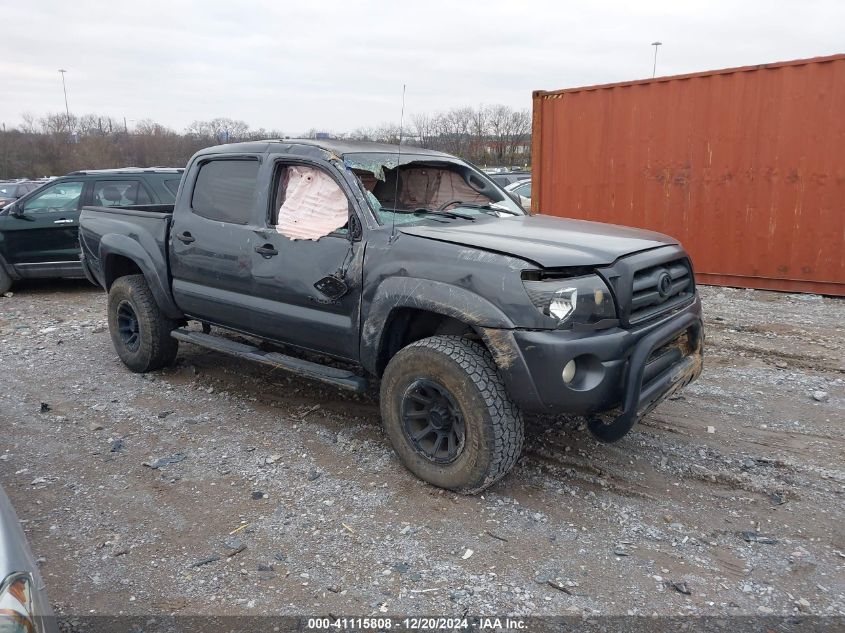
<point x="659" y="289"/>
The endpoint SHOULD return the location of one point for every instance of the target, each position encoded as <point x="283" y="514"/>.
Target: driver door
<point x="45" y="233"/>
<point x="291" y="301"/>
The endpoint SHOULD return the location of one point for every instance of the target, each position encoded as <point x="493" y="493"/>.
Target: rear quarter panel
<point x="106" y="234"/>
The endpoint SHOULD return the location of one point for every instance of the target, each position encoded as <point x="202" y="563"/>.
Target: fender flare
<point x="424" y="294"/>
<point x="115" y="245"/>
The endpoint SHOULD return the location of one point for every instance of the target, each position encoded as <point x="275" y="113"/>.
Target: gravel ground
<point x="283" y="496"/>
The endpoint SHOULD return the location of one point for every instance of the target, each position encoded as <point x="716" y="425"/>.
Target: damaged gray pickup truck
<point x="411" y="268"/>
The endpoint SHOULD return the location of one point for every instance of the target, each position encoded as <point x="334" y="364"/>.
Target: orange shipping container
<point x="746" y="166"/>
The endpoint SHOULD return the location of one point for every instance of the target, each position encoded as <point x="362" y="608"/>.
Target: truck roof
<point x="336" y="146"/>
<point x="129" y="170"/>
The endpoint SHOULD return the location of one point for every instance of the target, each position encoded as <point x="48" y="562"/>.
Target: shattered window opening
<point x="309" y="204"/>
<point x="368" y="181"/>
<point x="426" y="185"/>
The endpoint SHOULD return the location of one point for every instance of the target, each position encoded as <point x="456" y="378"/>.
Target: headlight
<point x="576" y="300"/>
<point x="16" y="605"/>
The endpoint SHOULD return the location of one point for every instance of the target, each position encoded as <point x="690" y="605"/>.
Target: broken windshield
<point x="427" y="188"/>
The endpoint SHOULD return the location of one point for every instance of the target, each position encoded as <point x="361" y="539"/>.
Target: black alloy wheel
<point x="432" y="421"/>
<point x="127" y="326"/>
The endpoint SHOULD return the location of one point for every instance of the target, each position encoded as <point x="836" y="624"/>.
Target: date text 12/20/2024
<point x="412" y="624"/>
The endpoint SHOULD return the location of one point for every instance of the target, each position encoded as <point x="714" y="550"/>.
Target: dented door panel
<point x="287" y="307"/>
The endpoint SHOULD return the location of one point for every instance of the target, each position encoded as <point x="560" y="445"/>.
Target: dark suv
<point x="39" y="230"/>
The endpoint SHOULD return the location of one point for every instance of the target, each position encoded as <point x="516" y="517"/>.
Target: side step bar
<point x="338" y="377"/>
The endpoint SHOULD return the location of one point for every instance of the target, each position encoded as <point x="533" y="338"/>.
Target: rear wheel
<point x="448" y="415"/>
<point x="139" y="331"/>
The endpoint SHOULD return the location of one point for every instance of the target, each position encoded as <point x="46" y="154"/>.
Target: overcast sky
<point x="335" y="65"/>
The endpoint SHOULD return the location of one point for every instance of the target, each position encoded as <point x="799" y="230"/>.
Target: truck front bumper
<point x="627" y="371"/>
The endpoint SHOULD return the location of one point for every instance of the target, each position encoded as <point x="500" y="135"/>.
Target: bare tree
<point x="54" y="144"/>
<point x="425" y="130"/>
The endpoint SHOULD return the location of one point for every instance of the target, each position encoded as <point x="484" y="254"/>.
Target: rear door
<point x="211" y="240"/>
<point x="45" y="237"/>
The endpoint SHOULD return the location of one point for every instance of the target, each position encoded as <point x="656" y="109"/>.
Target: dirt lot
<point x="288" y="499"/>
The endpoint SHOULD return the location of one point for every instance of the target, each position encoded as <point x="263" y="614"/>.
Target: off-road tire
<point x="155" y="347"/>
<point x="5" y="281"/>
<point x="493" y="423"/>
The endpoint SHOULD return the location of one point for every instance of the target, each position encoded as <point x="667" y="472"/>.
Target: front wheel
<point x="448" y="415"/>
<point x="139" y="331"/>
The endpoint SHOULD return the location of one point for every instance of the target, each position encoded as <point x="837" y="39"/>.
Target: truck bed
<point x="139" y="232"/>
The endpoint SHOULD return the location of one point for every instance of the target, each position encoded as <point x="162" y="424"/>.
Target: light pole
<point x="64" y="88"/>
<point x="5" y="154"/>
<point x="654" y="69"/>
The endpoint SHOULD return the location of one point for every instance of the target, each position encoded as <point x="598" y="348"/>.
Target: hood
<point x="549" y="241"/>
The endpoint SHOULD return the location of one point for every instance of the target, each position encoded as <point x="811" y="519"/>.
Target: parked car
<point x="508" y="178"/>
<point x="417" y="271"/>
<point x="39" y="231"/>
<point x="24" y="607"/>
<point x="12" y="190"/>
<point x="521" y="188"/>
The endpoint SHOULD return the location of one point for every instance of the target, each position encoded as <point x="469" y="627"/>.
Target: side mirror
<point x="16" y="210"/>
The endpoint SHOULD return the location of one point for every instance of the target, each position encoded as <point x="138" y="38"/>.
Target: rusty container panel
<point x="746" y="166"/>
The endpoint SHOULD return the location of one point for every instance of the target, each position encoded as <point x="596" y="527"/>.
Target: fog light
<point x="569" y="372"/>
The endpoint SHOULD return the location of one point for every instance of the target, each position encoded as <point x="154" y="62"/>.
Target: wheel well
<point x="408" y="325"/>
<point x="117" y="266"/>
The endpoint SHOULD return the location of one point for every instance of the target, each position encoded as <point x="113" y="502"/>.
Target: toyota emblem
<point x="664" y="284"/>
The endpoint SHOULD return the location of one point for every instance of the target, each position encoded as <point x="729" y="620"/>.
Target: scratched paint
<point x="746" y="166"/>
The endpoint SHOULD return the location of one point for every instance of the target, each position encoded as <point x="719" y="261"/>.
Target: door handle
<point x="268" y="250"/>
<point x="63" y="221"/>
<point x="186" y="237"/>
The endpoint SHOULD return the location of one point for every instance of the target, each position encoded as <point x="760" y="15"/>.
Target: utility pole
<point x="654" y="69"/>
<point x="5" y="153"/>
<point x="64" y="88"/>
